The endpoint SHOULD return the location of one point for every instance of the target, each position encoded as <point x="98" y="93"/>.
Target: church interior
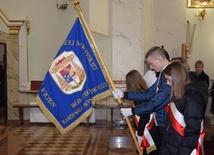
<point x="31" y="34"/>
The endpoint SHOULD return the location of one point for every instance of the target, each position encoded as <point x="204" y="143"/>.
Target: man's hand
<point x="117" y="93"/>
<point x="126" y="112"/>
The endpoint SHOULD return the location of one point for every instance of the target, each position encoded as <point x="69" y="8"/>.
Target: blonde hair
<point x="199" y="63"/>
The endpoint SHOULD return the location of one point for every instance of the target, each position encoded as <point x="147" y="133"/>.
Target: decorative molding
<point x="13" y="25"/>
<point x="200" y="3"/>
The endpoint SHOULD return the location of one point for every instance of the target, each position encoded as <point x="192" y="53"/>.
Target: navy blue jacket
<point x="153" y="100"/>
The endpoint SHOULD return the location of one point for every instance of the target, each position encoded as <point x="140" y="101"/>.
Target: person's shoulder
<point x="198" y="89"/>
<point x="204" y="74"/>
<point x="192" y="72"/>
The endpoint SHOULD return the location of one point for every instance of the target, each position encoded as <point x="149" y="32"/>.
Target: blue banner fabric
<point x="74" y="80"/>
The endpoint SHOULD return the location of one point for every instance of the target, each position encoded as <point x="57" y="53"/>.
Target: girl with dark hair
<point x="136" y="82"/>
<point x="184" y="134"/>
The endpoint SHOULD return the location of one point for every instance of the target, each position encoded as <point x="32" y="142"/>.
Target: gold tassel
<point x="27" y="26"/>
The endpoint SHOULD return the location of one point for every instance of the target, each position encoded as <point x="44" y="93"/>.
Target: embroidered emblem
<point x="68" y="72"/>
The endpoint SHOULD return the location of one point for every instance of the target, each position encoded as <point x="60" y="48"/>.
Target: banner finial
<point x="76" y="2"/>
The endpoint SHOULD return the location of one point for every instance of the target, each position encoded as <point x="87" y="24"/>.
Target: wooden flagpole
<point x="192" y="39"/>
<point x="79" y="10"/>
<point x="27" y="26"/>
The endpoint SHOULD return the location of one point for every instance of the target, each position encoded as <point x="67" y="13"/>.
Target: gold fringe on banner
<point x="56" y="123"/>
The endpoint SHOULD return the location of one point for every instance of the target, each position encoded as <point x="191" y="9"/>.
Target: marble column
<point x="127" y="51"/>
<point x="127" y="48"/>
<point x="13" y="94"/>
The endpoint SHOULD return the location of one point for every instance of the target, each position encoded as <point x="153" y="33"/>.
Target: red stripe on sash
<point x="176" y="125"/>
<point x="199" y="146"/>
<point x="175" y="118"/>
<point x="136" y="120"/>
<point x="166" y="108"/>
<point x="151" y="123"/>
<point x="145" y="143"/>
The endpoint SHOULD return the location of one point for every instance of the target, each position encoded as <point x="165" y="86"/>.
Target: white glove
<point x="126" y="112"/>
<point x="117" y="93"/>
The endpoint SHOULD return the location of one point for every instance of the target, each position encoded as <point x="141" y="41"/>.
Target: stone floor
<point x="97" y="139"/>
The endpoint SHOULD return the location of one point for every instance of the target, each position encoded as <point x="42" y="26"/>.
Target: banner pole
<point x="79" y="10"/>
<point x="27" y="26"/>
<point x="192" y="39"/>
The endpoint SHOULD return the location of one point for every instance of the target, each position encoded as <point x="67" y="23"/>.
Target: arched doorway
<point x="3" y="83"/>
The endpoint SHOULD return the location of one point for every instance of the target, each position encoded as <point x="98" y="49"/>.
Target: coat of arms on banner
<point x="68" y="72"/>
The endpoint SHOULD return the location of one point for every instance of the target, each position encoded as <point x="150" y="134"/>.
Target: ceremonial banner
<point x="74" y="80"/>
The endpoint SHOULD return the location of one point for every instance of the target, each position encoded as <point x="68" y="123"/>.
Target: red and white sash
<point x="177" y="120"/>
<point x="147" y="140"/>
<point x="136" y="119"/>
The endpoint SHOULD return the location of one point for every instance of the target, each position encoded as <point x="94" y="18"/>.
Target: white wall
<point x="204" y="40"/>
<point x="163" y="23"/>
<point x="169" y="28"/>
<point x="49" y="27"/>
